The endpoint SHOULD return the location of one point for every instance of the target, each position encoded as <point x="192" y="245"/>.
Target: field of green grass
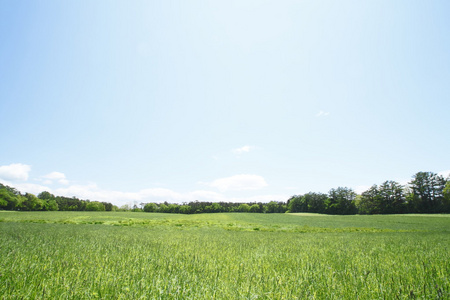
<point x="120" y="255"/>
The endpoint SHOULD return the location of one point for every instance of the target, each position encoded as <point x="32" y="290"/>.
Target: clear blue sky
<point x="138" y="101"/>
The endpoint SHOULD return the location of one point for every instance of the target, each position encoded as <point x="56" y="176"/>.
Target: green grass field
<point x="90" y="255"/>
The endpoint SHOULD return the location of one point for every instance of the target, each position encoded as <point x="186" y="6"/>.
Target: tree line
<point x="12" y="199"/>
<point x="427" y="192"/>
<point x="197" y="207"/>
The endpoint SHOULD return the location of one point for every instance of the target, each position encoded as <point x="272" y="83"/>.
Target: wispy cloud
<point x="93" y="192"/>
<point x="15" y="175"/>
<point x="55" y="176"/>
<point x="15" y="172"/>
<point x="322" y="114"/>
<point x="243" y="149"/>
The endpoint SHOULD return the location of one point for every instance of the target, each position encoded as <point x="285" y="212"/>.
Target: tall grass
<point x="153" y="256"/>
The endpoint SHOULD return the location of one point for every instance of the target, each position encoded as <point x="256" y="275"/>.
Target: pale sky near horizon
<point x="150" y="101"/>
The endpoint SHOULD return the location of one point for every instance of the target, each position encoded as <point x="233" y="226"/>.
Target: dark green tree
<point x="255" y="208"/>
<point x="446" y="200"/>
<point x="173" y="208"/>
<point x="295" y="204"/>
<point x="341" y="201"/>
<point x="392" y="197"/>
<point x="214" y="208"/>
<point x="5" y="199"/>
<point x="108" y="206"/>
<point x="185" y="209"/>
<point x="150" y="207"/>
<point x="427" y="191"/>
<point x="33" y="203"/>
<point x="163" y="208"/>
<point x="95" y="206"/>
<point x="10" y="198"/>
<point x="315" y="202"/>
<point x="243" y="207"/>
<point x="271" y="207"/>
<point x="51" y="205"/>
<point x="45" y="196"/>
<point x="370" y="201"/>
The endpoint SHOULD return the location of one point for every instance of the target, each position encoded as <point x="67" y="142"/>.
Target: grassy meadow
<point x="121" y="255"/>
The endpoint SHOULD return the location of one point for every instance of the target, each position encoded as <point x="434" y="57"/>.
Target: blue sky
<point x="139" y="101"/>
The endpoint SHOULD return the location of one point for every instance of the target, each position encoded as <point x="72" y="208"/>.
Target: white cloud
<point x="94" y="193"/>
<point x="158" y="195"/>
<point x="9" y="175"/>
<point x="239" y="183"/>
<point x="15" y="172"/>
<point x="243" y="149"/>
<point x="322" y="114"/>
<point x="57" y="176"/>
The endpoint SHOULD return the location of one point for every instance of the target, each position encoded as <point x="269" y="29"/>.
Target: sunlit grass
<point x="157" y="256"/>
